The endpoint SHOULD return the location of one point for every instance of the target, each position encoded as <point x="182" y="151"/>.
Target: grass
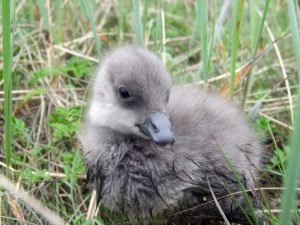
<point x="293" y="169"/>
<point x="47" y="68"/>
<point x="236" y="26"/>
<point x="90" y="16"/>
<point x="202" y="20"/>
<point x="262" y="22"/>
<point x="138" y="23"/>
<point x="7" y="64"/>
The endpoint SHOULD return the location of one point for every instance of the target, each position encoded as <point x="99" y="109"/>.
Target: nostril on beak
<point x="158" y="128"/>
<point x="155" y="128"/>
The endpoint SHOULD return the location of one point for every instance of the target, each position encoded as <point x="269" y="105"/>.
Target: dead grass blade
<point x="242" y="71"/>
<point x="38" y="206"/>
<point x="217" y="203"/>
<point x="15" y="208"/>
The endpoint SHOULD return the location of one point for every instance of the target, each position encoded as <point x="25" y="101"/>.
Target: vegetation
<point x="246" y="50"/>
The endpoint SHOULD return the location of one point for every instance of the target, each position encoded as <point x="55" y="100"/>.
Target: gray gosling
<point x="157" y="151"/>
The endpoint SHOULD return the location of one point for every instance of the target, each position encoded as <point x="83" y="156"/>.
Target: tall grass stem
<point x="258" y="38"/>
<point x="158" y="25"/>
<point x="145" y="15"/>
<point x="202" y="20"/>
<point x="254" y="22"/>
<point x="137" y="23"/>
<point x="163" y="36"/>
<point x="7" y="65"/>
<point x="235" y="41"/>
<point x="121" y="18"/>
<point x="43" y="10"/>
<point x="293" y="167"/>
<point x="91" y="19"/>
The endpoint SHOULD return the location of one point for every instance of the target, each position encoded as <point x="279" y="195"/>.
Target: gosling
<point x="156" y="151"/>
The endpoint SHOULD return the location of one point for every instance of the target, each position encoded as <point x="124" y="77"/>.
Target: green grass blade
<point x="137" y="23"/>
<point x="235" y="42"/>
<point x="254" y="21"/>
<point x="7" y="64"/>
<point x="145" y="16"/>
<point x="218" y="26"/>
<point x="277" y="150"/>
<point x="293" y="167"/>
<point x="163" y="36"/>
<point x="220" y="21"/>
<point x="242" y="187"/>
<point x="202" y="21"/>
<point x="210" y="52"/>
<point x="249" y="80"/>
<point x="58" y="30"/>
<point x="158" y="25"/>
<point x="254" y="110"/>
<point x="90" y="16"/>
<point x="121" y="18"/>
<point x="43" y="10"/>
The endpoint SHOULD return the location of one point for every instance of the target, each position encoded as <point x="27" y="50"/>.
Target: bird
<point x="161" y="152"/>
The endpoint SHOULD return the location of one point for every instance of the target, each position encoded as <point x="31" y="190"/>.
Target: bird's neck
<point x="119" y="137"/>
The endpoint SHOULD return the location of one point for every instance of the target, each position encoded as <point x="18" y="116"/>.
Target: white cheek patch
<point x="113" y="116"/>
<point x="98" y="112"/>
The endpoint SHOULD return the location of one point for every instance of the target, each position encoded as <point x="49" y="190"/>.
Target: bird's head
<point x="130" y="93"/>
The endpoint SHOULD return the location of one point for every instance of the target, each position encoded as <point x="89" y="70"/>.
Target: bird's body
<point x="141" y="171"/>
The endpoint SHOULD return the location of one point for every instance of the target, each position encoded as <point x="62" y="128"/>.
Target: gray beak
<point x="158" y="128"/>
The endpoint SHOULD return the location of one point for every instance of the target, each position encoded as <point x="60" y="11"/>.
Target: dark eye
<point x="123" y="92"/>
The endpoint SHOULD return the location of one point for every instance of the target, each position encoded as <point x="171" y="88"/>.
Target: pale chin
<point x="111" y="116"/>
<point x="136" y="130"/>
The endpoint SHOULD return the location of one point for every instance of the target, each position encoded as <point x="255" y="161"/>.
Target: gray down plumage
<point x="132" y="173"/>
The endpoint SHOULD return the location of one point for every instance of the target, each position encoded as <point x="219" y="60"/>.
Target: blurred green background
<point x="226" y="47"/>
